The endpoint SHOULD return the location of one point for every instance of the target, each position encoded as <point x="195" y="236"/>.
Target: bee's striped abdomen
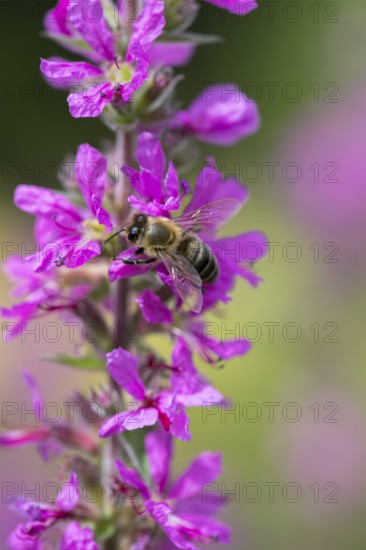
<point x="200" y="256"/>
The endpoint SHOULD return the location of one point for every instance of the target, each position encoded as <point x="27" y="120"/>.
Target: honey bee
<point x="174" y="242"/>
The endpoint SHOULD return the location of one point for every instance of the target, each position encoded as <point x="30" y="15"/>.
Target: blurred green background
<point x="309" y="371"/>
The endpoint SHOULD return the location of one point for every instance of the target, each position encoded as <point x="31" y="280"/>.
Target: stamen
<point x="116" y="62"/>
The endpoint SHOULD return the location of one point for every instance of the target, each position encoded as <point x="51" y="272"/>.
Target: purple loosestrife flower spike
<point x="125" y="448"/>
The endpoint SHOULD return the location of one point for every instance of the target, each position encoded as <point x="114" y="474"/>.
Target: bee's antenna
<point x="114" y="235"/>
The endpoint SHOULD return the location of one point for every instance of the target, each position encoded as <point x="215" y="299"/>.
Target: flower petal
<point x="120" y="270"/>
<point x="122" y="366"/>
<point x="211" y="186"/>
<point x="37" y="401"/>
<point x="221" y="114"/>
<point x="81" y="254"/>
<point x="76" y="537"/>
<point x="238" y="253"/>
<point x="151" y="186"/>
<point x="56" y="19"/>
<point x="159" y="449"/>
<point x="172" y="54"/>
<point x="130" y="477"/>
<point x="91" y="174"/>
<point x="102" y="215"/>
<point x="19" y="438"/>
<point x="172" y="416"/>
<point x="239" y="7"/>
<point x="151" y="208"/>
<point x="134" y="178"/>
<point x="180" y="425"/>
<point x="202" y="395"/>
<point x="40" y="201"/>
<point x="87" y="17"/>
<point x="230" y="348"/>
<point x="203" y="504"/>
<point x="64" y="74"/>
<point x="150" y="155"/>
<point x="163" y="514"/>
<point x="69" y="495"/>
<point x="91" y="102"/>
<point x="129" y="420"/>
<point x="171" y="183"/>
<point x="136" y="55"/>
<point x="26" y="536"/>
<point x="149" y="24"/>
<point x="206" y="468"/>
<point x="190" y="387"/>
<point x="153" y="308"/>
<point x="204" y="529"/>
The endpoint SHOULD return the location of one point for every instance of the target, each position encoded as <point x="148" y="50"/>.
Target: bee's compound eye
<point x="133" y="233"/>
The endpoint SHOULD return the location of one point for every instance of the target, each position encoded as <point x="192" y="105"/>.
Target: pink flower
<point x="76" y="537"/>
<point x="175" y="54"/>
<point x="70" y="235"/>
<point x="222" y="115"/>
<point x="178" y="507"/>
<point x="44" y="293"/>
<point x="43" y="516"/>
<point x="190" y="335"/>
<point x="153" y="406"/>
<point x="158" y="189"/>
<point x="49" y="436"/>
<point x="120" y="69"/>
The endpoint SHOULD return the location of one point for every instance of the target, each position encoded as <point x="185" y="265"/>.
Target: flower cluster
<point x="150" y="238"/>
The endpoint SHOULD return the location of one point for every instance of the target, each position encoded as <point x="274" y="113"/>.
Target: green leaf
<point x="87" y="362"/>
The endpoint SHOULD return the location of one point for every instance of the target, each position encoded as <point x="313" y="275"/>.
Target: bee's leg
<point x="139" y="251"/>
<point x="132" y="261"/>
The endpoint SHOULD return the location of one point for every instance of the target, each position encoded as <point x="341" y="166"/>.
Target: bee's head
<point x="136" y="228"/>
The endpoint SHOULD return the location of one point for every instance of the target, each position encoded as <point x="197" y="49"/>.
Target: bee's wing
<point x="186" y="280"/>
<point x="213" y="213"/>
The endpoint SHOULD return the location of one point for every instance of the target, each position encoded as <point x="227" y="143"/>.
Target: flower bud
<point x="221" y="114"/>
<point x="180" y="14"/>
